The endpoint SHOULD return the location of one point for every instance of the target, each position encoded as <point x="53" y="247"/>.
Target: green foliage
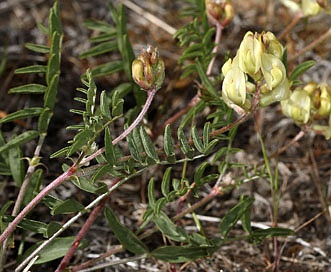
<point x="202" y="152"/>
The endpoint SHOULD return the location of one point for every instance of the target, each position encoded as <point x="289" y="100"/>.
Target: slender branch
<point x="59" y="180"/>
<point x="309" y="47"/>
<point x="289" y="27"/>
<point x="218" y="36"/>
<point x="81" y="234"/>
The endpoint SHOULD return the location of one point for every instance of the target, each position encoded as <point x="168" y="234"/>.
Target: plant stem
<point x="12" y="226"/>
<point x="218" y="36"/>
<point x="309" y="47"/>
<point x="70" y="172"/>
<point x="294" y="22"/>
<point x="82" y="232"/>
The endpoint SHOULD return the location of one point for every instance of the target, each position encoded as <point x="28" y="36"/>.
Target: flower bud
<point x="219" y="11"/>
<point x="297" y="106"/>
<point x="148" y="69"/>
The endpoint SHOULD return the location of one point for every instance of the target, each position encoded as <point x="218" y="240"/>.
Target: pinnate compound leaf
<point x="19" y="140"/>
<point x="232" y="216"/>
<point x="125" y="236"/>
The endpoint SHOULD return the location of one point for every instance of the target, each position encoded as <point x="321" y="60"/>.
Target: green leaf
<point x="20" y="114"/>
<point x="124" y="235"/>
<point x="91" y="94"/>
<point x="28" y="224"/>
<point x="34" y="186"/>
<point x="110" y="149"/>
<point x="37" y="48"/>
<point x="258" y="235"/>
<point x="182" y="254"/>
<point x="165" y="185"/>
<point x="19" y="140"/>
<point x="57" y="248"/>
<point x="99" y="49"/>
<point x="62" y="152"/>
<point x="99" y="26"/>
<point x="150" y="193"/>
<point x="206" y="82"/>
<point x="29" y="89"/>
<point x="184" y="145"/>
<point x="232" y="216"/>
<point x="80" y="139"/>
<point x="196" y="140"/>
<point x="133" y="149"/>
<point x="104" y="105"/>
<point x="52" y="228"/>
<point x="50" y="94"/>
<point x="168" y="145"/>
<point x="54" y="24"/>
<point x="206" y="134"/>
<point x="107" y="68"/>
<point x="44" y="120"/>
<point x="86" y="185"/>
<point x="68" y="206"/>
<point x="209" y="148"/>
<point x="16" y="165"/>
<point x="148" y="145"/>
<point x="31" y="69"/>
<point x="199" y="172"/>
<point x="100" y="172"/>
<point x="169" y="228"/>
<point x="301" y="68"/>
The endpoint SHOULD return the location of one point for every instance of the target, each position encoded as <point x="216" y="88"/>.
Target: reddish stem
<point x="59" y="180"/>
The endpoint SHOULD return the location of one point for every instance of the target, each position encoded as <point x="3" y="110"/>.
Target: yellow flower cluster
<point x="310" y="104"/>
<point x="259" y="58"/>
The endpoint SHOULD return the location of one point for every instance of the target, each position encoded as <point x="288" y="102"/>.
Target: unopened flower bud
<point x="148" y="69"/>
<point x="219" y="11"/>
<point x="310" y="7"/>
<point x="297" y="106"/>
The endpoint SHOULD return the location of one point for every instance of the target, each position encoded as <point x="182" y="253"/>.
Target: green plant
<point x="256" y="77"/>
